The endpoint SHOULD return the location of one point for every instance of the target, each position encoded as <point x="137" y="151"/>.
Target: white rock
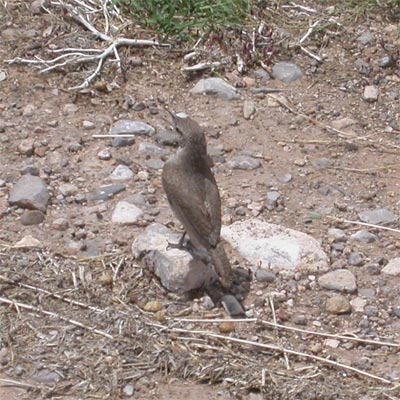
<point x="392" y="267"/>
<point x="215" y="86"/>
<point x="371" y="94"/>
<point x="121" y="173"/>
<point x="126" y="213"/>
<point x="332" y="343"/>
<point x="272" y="246"/>
<point x="358" y="304"/>
<point x="28" y="242"/>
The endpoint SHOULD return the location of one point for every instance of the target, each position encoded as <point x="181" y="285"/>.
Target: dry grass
<point x="84" y="320"/>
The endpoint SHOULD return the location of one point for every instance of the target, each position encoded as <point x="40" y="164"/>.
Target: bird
<point x="193" y="195"/>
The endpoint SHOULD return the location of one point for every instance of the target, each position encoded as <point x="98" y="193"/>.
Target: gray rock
<point x="127" y="127"/>
<point x="271" y="199"/>
<point x="60" y="224"/>
<point x="28" y="110"/>
<point x="262" y="74"/>
<point x="366" y="37"/>
<point x="356" y="259"/>
<point x="155" y="163"/>
<point x="126" y="213"/>
<point x="363" y="67"/>
<point x="75" y="147"/>
<point x="374" y="269"/>
<point x="32" y="217"/>
<point x="371" y="311"/>
<point x="338" y="305"/>
<point x="121" y="173"/>
<point x="337" y="234"/>
<point x="68" y="189"/>
<point x="263" y="275"/>
<point x="80" y="198"/>
<point x="392" y="267"/>
<point x="368" y="293"/>
<point x="106" y="192"/>
<point x="137" y="199"/>
<point x="341" y="280"/>
<point x="371" y="94"/>
<point x="286" y="72"/>
<point x="272" y="246"/>
<point x="364" y="236"/>
<point x="167" y="138"/>
<point x="151" y="150"/>
<point x="300" y="319"/>
<point x="323" y="163"/>
<point x="46" y="376"/>
<point x="386" y="62"/>
<point x="343" y="123"/>
<point x="285" y="178"/>
<point x="88" y="125"/>
<point x="244" y="162"/>
<point x="26" y="147"/>
<point x="178" y="270"/>
<point x="122" y="142"/>
<point x="378" y="217"/>
<point x="29" y="192"/>
<point x="70" y="109"/>
<point x="249" y="109"/>
<point x="30" y="170"/>
<point x="139" y="106"/>
<point x="232" y="306"/>
<point x="215" y="86"/>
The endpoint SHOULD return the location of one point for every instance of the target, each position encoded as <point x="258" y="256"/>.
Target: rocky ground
<point x="81" y="318"/>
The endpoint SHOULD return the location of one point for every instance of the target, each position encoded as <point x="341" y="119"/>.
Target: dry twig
<point x="77" y="56"/>
<point x="19" y="305"/>
<point x="275" y="348"/>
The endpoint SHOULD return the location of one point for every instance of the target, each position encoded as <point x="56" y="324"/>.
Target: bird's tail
<point x="222" y="265"/>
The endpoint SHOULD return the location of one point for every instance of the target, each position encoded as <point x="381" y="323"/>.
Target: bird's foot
<point x="180" y="245"/>
<point x="175" y="246"/>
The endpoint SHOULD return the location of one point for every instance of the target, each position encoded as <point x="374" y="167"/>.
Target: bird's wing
<point x="212" y="204"/>
<point x="195" y="201"/>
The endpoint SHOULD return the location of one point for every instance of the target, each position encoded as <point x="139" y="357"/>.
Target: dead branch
<point x="77" y="56"/>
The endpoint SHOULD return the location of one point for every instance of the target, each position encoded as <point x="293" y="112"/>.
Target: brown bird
<point x="193" y="195"/>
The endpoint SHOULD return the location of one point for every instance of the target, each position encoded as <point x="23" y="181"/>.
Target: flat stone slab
<point x="128" y="127"/>
<point x="341" y="280"/>
<point x="272" y="246"/>
<point x="378" y="216"/>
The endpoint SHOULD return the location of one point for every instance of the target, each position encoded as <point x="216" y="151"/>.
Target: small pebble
<point x="104" y="155"/>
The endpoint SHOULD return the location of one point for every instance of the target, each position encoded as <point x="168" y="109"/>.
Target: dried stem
<point x="275" y="348"/>
<point x="19" y="305"/>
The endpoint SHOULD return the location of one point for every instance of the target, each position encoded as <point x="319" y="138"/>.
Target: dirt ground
<point x="136" y="353"/>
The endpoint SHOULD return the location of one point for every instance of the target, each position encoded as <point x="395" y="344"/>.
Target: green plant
<point x="182" y="17"/>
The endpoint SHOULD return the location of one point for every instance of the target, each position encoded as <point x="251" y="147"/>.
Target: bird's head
<point x="190" y="131"/>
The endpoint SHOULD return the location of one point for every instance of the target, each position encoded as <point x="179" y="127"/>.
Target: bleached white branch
<point x="80" y="11"/>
